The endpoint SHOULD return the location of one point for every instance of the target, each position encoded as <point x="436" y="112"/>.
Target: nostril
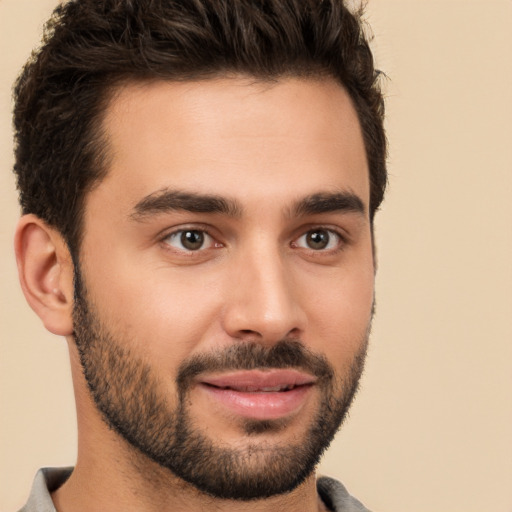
<point x="294" y="333"/>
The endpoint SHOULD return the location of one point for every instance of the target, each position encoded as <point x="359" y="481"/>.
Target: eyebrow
<point x="327" y="202"/>
<point x="167" y="200"/>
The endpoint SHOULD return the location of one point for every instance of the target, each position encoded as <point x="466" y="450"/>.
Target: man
<point x="198" y="181"/>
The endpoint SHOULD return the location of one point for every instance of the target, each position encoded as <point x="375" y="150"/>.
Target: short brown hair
<point x="91" y="45"/>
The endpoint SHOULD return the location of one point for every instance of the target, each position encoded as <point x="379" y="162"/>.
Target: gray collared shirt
<point x="47" y="480"/>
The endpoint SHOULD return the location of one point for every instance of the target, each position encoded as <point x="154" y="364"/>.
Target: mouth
<point x="260" y="394"/>
<point x="256" y="389"/>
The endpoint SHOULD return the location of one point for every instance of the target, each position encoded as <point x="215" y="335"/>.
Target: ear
<point x="45" y="270"/>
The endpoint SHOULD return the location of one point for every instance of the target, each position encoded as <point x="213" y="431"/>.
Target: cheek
<point x="179" y="316"/>
<point x="339" y="317"/>
<point x="161" y="313"/>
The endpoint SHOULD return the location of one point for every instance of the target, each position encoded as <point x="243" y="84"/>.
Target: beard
<point x="132" y="403"/>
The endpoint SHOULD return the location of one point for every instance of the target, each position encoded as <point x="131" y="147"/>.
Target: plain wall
<point x="431" y="429"/>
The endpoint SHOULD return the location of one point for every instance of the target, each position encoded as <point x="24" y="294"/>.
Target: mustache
<point x="251" y="356"/>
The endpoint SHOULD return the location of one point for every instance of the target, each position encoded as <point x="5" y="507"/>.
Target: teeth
<point x="275" y="388"/>
<point x="255" y="389"/>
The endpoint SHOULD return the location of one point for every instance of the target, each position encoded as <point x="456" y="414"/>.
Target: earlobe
<point x="45" y="270"/>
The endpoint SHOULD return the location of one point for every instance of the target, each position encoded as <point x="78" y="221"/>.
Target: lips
<point x="259" y="394"/>
<point x="259" y="389"/>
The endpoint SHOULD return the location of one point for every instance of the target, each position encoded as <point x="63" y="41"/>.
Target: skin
<point x="265" y="146"/>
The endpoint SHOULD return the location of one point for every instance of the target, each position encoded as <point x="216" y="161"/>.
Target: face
<point x="225" y="283"/>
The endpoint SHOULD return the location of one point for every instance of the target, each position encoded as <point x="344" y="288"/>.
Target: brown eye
<point x="192" y="240"/>
<point x="318" y="240"/>
<point x="189" y="240"/>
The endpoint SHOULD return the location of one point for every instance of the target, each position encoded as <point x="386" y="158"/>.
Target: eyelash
<point x="340" y="240"/>
<point x="179" y="232"/>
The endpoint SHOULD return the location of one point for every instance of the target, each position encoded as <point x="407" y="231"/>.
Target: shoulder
<point x="336" y="497"/>
<point x="46" y="481"/>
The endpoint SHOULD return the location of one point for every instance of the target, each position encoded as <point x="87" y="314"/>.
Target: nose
<point x="264" y="302"/>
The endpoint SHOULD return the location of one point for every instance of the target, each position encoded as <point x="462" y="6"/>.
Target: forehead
<point x="234" y="136"/>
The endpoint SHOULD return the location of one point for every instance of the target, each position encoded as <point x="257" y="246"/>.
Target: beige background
<point x="431" y="429"/>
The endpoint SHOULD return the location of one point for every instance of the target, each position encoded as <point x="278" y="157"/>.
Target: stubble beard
<point x="132" y="403"/>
